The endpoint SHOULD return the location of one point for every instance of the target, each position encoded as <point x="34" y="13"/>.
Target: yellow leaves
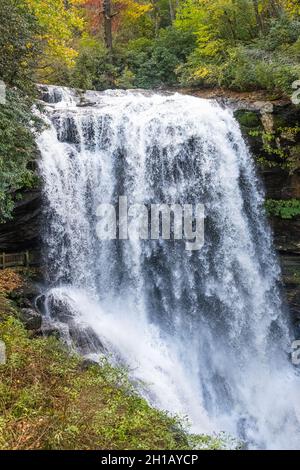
<point x="200" y="73"/>
<point x="204" y="34"/>
<point x="212" y="48"/>
<point x="55" y="18"/>
<point x="59" y="50"/>
<point x="77" y="2"/>
<point x="134" y="10"/>
<point x="190" y="14"/>
<point x="207" y="44"/>
<point x="291" y="6"/>
<point x="260" y="8"/>
<point x="58" y="24"/>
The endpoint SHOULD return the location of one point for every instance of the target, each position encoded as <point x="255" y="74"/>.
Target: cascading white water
<point x="203" y="332"/>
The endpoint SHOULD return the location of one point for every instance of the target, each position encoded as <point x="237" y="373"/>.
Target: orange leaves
<point x="122" y="10"/>
<point x="10" y="279"/>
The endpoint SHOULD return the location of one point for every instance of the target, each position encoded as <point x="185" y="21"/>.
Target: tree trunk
<point x="172" y="11"/>
<point x="230" y="25"/>
<point x="258" y="17"/>
<point x="156" y="16"/>
<point x="107" y="18"/>
<point x="275" y="8"/>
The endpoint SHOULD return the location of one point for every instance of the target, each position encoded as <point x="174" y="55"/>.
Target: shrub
<point x="285" y="209"/>
<point x="93" y="70"/>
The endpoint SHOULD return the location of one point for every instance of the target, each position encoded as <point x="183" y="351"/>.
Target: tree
<point x="107" y="19"/>
<point x="61" y="22"/>
<point x="258" y="17"/>
<point x="18" y="43"/>
<point x="243" y="44"/>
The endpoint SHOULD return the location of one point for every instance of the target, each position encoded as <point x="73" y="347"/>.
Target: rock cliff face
<point x="273" y="134"/>
<point x="22" y="232"/>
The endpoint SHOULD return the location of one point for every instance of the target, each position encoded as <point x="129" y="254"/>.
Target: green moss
<point x="248" y="119"/>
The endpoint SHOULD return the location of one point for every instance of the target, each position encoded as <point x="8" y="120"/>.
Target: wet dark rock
<point x="67" y="132"/>
<point x="84" y="104"/>
<point x="50" y="96"/>
<point x="25" y="296"/>
<point x="87" y="364"/>
<point x="273" y="118"/>
<point x="286" y="235"/>
<point x="22" y="232"/>
<point x="59" y="308"/>
<point x="85" y="339"/>
<point x="294" y="302"/>
<point x="290" y="266"/>
<point x="40" y="303"/>
<point x="279" y="183"/>
<point x="31" y="319"/>
<point x="49" y="329"/>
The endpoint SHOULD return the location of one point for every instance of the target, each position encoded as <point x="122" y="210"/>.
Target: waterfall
<point x="203" y="333"/>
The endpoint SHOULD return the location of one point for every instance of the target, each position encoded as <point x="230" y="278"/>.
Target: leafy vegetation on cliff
<point x="17" y="149"/>
<point x="20" y="48"/>
<point x="285" y="209"/>
<point x="280" y="147"/>
<point x="20" y="44"/>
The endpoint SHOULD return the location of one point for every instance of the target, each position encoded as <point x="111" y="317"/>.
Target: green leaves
<point x="17" y="149"/>
<point x="18" y="44"/>
<point x="243" y="45"/>
<point x="154" y="62"/>
<point x="285" y="209"/>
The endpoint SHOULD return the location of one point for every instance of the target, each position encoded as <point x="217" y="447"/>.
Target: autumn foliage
<point x="241" y="45"/>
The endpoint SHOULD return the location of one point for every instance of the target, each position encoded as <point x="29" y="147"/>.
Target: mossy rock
<point x="248" y="119"/>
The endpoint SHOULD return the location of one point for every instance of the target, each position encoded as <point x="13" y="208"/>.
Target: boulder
<point x="85" y="339"/>
<point x="87" y="364"/>
<point x="59" y="308"/>
<point x="48" y="329"/>
<point x="25" y="296"/>
<point x="31" y="319"/>
<point x="290" y="265"/>
<point x="286" y="235"/>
